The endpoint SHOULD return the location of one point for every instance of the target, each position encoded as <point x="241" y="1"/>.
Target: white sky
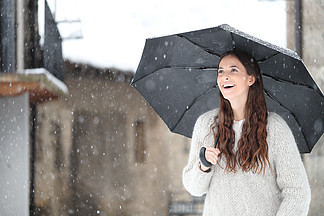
<point x="114" y="31"/>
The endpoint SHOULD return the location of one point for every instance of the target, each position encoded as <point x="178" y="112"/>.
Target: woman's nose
<point x="222" y="78"/>
<point x="225" y="77"/>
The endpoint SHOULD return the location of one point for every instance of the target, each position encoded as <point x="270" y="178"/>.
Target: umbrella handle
<point x="203" y="158"/>
<point x="202" y="154"/>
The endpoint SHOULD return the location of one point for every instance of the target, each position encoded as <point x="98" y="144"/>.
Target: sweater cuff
<point x="200" y="174"/>
<point x="206" y="171"/>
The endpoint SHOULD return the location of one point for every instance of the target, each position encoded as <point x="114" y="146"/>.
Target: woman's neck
<point x="238" y="111"/>
<point x="238" y="115"/>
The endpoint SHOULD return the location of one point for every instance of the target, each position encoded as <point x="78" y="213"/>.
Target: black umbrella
<point x="177" y="77"/>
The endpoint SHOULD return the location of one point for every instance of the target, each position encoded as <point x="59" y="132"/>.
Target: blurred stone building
<point x="305" y="21"/>
<point x="102" y="150"/>
<point x="95" y="149"/>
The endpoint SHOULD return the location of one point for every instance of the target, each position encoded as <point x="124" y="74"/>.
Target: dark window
<point x="140" y="148"/>
<point x="56" y="143"/>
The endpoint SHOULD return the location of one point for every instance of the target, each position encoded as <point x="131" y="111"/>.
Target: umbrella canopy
<point x="177" y="76"/>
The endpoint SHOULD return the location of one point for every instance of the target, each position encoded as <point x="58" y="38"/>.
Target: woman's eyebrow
<point x="229" y="67"/>
<point x="233" y="66"/>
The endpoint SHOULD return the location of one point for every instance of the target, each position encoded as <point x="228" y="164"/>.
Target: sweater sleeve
<point x="291" y="175"/>
<point x="195" y="180"/>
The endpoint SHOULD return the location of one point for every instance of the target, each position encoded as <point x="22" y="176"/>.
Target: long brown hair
<point x="252" y="151"/>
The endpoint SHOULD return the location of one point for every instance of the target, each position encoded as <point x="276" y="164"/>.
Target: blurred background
<point x="76" y="139"/>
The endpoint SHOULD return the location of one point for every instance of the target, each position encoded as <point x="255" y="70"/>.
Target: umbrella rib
<point x="287" y="81"/>
<point x="205" y="49"/>
<point x="265" y="59"/>
<point x="175" y="67"/>
<point x="192" y="103"/>
<point x="233" y="42"/>
<point x="294" y="116"/>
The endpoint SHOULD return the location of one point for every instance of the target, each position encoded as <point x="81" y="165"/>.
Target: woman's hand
<point x="211" y="155"/>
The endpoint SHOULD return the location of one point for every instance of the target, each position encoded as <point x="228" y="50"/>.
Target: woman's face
<point x="233" y="80"/>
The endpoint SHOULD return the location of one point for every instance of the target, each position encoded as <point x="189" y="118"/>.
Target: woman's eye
<point x="220" y="71"/>
<point x="234" y="70"/>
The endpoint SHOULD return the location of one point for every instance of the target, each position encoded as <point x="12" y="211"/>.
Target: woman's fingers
<point x="211" y="155"/>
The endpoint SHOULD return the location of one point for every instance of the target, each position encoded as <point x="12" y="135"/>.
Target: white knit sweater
<point x="285" y="191"/>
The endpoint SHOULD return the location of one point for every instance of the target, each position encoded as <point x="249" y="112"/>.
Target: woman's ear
<point x="251" y="80"/>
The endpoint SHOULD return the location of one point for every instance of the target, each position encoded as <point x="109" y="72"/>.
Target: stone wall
<point x="102" y="150"/>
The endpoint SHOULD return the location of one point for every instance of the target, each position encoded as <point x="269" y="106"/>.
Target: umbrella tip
<point x="132" y="83"/>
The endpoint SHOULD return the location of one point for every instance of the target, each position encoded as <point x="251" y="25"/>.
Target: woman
<point x="257" y="169"/>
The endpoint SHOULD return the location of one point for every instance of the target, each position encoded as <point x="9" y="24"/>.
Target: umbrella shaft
<point x="217" y="138"/>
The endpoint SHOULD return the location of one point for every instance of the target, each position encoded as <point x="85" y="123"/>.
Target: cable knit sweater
<point x="284" y="191"/>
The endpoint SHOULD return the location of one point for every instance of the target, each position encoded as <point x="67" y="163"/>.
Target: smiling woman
<point x="255" y="149"/>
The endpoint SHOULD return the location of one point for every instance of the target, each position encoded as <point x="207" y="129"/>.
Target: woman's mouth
<point x="228" y="86"/>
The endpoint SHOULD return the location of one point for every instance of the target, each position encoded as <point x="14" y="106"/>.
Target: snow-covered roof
<point x="50" y="78"/>
<point x="40" y="84"/>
